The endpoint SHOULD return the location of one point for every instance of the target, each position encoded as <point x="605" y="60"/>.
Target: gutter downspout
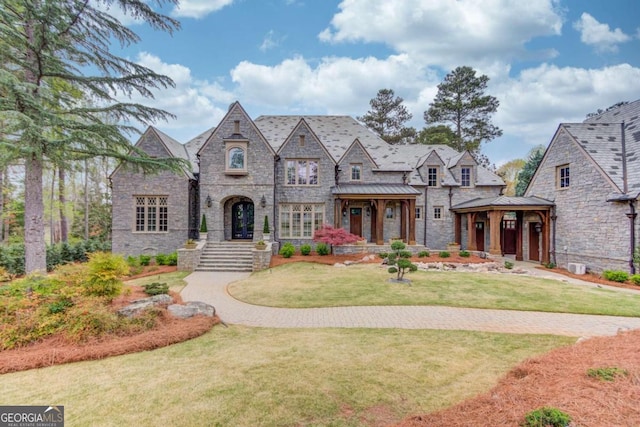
<point x="275" y="184"/>
<point x="632" y="235"/>
<point x="554" y="217"/>
<point x="424" y="242"/>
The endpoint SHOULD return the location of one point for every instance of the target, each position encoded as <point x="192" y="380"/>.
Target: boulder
<point x="190" y="309"/>
<point x="139" y="305"/>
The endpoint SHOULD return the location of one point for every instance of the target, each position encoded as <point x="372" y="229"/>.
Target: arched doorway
<point x="242" y="220"/>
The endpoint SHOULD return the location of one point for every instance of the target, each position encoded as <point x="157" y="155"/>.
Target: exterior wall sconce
<point x="208" y="201"/>
<point x="368" y="211"/>
<point x="538" y="227"/>
<point x="344" y="212"/>
<point x="263" y="201"/>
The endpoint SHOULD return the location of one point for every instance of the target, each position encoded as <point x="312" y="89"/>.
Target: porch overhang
<point x="378" y="195"/>
<point x="495" y="208"/>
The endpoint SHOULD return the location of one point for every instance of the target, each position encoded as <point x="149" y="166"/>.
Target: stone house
<point x="591" y="173"/>
<point x="302" y="172"/>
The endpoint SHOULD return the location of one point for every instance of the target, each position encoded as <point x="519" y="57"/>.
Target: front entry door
<point x="355" y="221"/>
<point x="480" y="236"/>
<point x="509" y="236"/>
<point x="534" y="243"/>
<point x="242" y="223"/>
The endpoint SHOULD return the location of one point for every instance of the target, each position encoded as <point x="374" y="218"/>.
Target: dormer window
<point x="432" y="176"/>
<point x="465" y="176"/>
<point x="356" y="172"/>
<point x="236" y="158"/>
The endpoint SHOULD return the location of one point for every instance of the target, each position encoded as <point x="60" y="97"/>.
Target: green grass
<point x="175" y="280"/>
<point x="241" y="376"/>
<point x="313" y="285"/>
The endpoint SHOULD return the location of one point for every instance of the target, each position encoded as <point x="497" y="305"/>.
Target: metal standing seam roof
<point x="503" y="201"/>
<point x="374" y="189"/>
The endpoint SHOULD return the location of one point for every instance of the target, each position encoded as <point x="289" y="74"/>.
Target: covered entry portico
<point x="367" y="205"/>
<point x="506" y="218"/>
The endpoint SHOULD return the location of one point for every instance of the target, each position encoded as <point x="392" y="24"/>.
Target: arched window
<point x="236" y="158"/>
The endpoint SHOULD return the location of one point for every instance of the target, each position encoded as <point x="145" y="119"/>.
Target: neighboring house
<point x="591" y="172"/>
<point x="300" y="172"/>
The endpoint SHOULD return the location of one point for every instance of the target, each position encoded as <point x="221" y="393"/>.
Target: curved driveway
<point x="212" y="289"/>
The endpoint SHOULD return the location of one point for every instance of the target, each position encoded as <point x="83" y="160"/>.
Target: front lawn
<point x="301" y="285"/>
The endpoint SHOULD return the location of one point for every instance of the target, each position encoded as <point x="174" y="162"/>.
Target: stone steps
<point x="226" y="256"/>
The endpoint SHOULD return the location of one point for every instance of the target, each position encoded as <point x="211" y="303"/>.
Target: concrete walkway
<point x="212" y="289"/>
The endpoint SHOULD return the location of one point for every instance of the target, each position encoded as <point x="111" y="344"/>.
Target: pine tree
<point x="46" y="48"/>
<point x="524" y="176"/>
<point x="461" y="101"/>
<point x="387" y="118"/>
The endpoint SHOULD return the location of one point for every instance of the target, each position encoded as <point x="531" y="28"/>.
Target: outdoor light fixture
<point x="368" y="211"/>
<point x="208" y="201"/>
<point x="538" y="227"/>
<point x="344" y="212"/>
<point x="263" y="201"/>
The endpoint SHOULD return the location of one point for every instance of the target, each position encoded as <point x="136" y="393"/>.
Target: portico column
<point x="382" y="205"/>
<point x="412" y="221"/>
<point x="546" y="238"/>
<point x="403" y="221"/>
<point x="471" y="231"/>
<point x="495" y="248"/>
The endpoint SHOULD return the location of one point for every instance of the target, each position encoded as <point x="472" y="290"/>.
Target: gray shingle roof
<point x="601" y="137"/>
<point x="194" y="145"/>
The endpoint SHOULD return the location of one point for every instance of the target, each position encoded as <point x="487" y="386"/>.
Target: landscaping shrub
<point x="105" y="271"/>
<point x="145" y="260"/>
<point x="172" y="258"/>
<point x="287" y="250"/>
<point x="508" y="265"/>
<point x="423" y="254"/>
<point x="134" y="265"/>
<point x="635" y="279"/>
<point x="155" y="288"/>
<point x="405" y="254"/>
<point x="334" y="236"/>
<point x="547" y="417"/>
<point x="322" y="249"/>
<point x="464" y="254"/>
<point x="616" y="275"/>
<point x="398" y="261"/>
<point x="305" y="249"/>
<point x="550" y="265"/>
<point x="444" y="254"/>
<point x="383" y="255"/>
<point x="607" y="374"/>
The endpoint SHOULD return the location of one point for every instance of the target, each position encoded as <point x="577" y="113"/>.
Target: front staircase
<point x="226" y="256"/>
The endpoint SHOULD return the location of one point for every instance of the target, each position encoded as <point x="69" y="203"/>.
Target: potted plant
<point x="261" y="245"/>
<point x="203" y="228"/>
<point x="190" y="244"/>
<point x="266" y="231"/>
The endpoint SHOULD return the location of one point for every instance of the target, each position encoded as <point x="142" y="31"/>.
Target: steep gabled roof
<point x="612" y="141"/>
<point x="194" y="145"/>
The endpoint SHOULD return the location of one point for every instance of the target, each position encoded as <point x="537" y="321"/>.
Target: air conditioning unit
<point x="577" y="268"/>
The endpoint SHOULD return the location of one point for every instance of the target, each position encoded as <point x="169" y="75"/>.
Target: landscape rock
<point x="190" y="309"/>
<point x="339" y="264"/>
<point x="142" y="304"/>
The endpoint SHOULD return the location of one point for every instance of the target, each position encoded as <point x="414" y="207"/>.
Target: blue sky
<point x="548" y="61"/>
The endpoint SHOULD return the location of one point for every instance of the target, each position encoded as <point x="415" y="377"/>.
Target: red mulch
<point x="557" y="379"/>
<point x="277" y="260"/>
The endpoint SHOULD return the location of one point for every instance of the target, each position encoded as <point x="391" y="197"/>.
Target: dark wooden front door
<point x="480" y="236"/>
<point x="509" y="236"/>
<point x="534" y="243"/>
<point x="242" y="220"/>
<point x="355" y="221"/>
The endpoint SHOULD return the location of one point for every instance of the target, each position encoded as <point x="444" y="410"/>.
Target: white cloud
<point x="334" y="85"/>
<point x="199" y="8"/>
<point x="447" y="32"/>
<point x="192" y="101"/>
<point x="599" y="35"/>
<point x="269" y="41"/>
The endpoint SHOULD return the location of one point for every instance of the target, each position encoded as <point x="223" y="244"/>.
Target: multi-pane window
<point x="432" y="177"/>
<point x="300" y="220"/>
<point x="465" y="177"/>
<point x="356" y="172"/>
<point x="151" y="213"/>
<point x="302" y="172"/>
<point x="236" y="158"/>
<point x="389" y="212"/>
<point x="563" y="176"/>
<point x="418" y="212"/>
<point x="437" y="212"/>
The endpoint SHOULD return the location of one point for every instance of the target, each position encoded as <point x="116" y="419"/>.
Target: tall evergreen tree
<point x="524" y="176"/>
<point x="433" y="135"/>
<point x="461" y="102"/>
<point x="387" y="118"/>
<point x="50" y="41"/>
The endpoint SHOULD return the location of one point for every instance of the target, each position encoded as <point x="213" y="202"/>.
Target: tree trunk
<point x="35" y="256"/>
<point x="63" y="204"/>
<point x="5" y="219"/>
<point x="86" y="199"/>
<point x="52" y="227"/>
<point x="2" y="230"/>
